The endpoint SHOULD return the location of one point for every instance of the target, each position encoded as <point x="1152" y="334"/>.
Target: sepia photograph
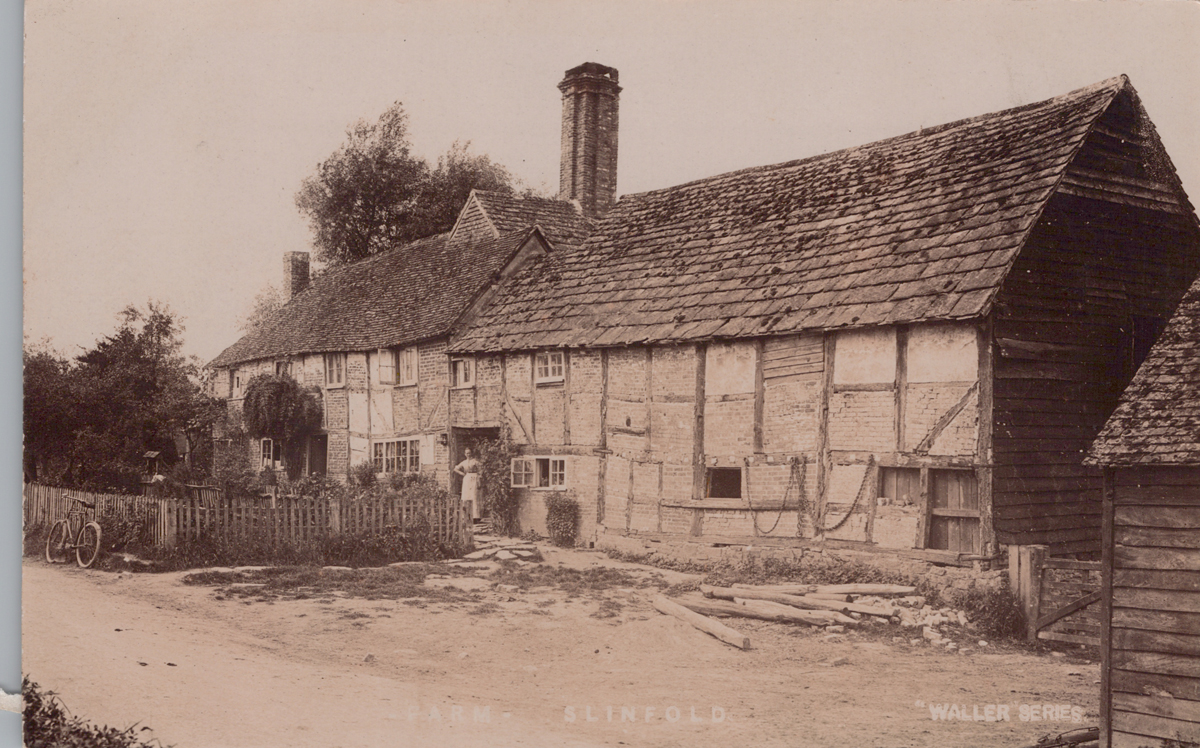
<point x="677" y="373"/>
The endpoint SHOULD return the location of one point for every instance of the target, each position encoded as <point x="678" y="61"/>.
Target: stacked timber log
<point x="811" y="605"/>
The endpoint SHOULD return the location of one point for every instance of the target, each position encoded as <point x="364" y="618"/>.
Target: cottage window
<point x="724" y="483"/>
<point x="386" y="359"/>
<point x="549" y="366"/>
<point x="397" y="456"/>
<point x="462" y="372"/>
<point x="271" y="453"/>
<point x="283" y="368"/>
<point x="953" y="511"/>
<point x="235" y="383"/>
<point x="335" y="369"/>
<point x="899" y="486"/>
<point x="406" y="366"/>
<point x="539" y="472"/>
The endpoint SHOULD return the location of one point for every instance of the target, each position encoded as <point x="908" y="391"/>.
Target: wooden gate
<point x="1060" y="596"/>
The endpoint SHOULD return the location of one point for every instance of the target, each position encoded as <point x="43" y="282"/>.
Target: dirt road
<point x="527" y="669"/>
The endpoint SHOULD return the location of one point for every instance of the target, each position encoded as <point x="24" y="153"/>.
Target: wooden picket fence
<point x="286" y="520"/>
<point x="44" y="505"/>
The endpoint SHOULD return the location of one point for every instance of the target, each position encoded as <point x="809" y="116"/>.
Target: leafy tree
<point x="277" y="408"/>
<point x="89" y="421"/>
<point x="266" y="303"/>
<point x="373" y="193"/>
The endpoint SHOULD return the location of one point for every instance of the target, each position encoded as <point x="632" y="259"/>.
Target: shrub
<point x="361" y="475"/>
<point x="562" y="519"/>
<point x="49" y="725"/>
<point x="132" y="531"/>
<point x="501" y="502"/>
<point x="994" y="611"/>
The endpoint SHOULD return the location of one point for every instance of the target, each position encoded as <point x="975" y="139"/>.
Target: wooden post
<point x="602" y="469"/>
<point x="1106" y="604"/>
<point x="901" y="384"/>
<point x="759" y="395"/>
<point x="823" y="457"/>
<point x="698" y="467"/>
<point x="1031" y="586"/>
<point x="335" y="516"/>
<point x="984" y="452"/>
<point x="707" y="625"/>
<point x="566" y="396"/>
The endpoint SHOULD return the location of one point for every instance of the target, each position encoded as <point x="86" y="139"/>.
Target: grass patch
<point x="48" y="724"/>
<point x="609" y="608"/>
<point x="304" y="582"/>
<point x="572" y="581"/>
<point x="484" y="609"/>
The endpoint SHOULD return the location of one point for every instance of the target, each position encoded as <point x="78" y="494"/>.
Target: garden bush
<point x="562" y="519"/>
<point x="48" y="724"/>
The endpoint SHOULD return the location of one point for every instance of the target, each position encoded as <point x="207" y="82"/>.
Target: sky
<point x="165" y="142"/>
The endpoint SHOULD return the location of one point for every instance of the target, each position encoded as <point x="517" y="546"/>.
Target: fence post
<point x="1031" y="586"/>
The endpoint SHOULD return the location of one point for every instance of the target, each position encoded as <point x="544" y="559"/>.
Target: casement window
<point x="724" y="483"/>
<point x="386" y="360"/>
<point x="406" y="366"/>
<point x="283" y="368"/>
<point x="462" y="372"/>
<point x="953" y="511"/>
<point x="397" y="456"/>
<point x="549" y="367"/>
<point x="539" y="472"/>
<point x="335" y="369"/>
<point x="271" y="454"/>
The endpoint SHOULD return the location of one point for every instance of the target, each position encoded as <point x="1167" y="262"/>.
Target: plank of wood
<point x="1154" y="726"/>
<point x="1135" y="597"/>
<point x="1134" y="682"/>
<point x="1067" y="563"/>
<point x="1128" y="557"/>
<point x="1157" y="516"/>
<point x="797" y="601"/>
<point x="1157" y="663"/>
<point x="705" y="624"/>
<point x="1162" y="537"/>
<point x="1057" y="636"/>
<point x="1156" y="579"/>
<point x="879" y="590"/>
<point x="715" y="607"/>
<point x="1157" y="620"/>
<point x="1154" y="641"/>
<point x="769" y="611"/>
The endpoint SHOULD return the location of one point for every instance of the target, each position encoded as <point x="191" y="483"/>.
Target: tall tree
<point x="373" y="193"/>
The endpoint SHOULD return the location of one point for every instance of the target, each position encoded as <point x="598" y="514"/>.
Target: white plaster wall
<point x="729" y="369"/>
<point x="865" y="356"/>
<point x="943" y="353"/>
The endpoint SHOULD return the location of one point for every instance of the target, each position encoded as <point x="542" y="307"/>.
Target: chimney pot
<point x="588" y="170"/>
<point x="295" y="273"/>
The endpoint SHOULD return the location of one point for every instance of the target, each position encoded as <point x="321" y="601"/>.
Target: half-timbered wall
<point x="1151" y="639"/>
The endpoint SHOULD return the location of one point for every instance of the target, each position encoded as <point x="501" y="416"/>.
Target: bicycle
<point x="86" y="536"/>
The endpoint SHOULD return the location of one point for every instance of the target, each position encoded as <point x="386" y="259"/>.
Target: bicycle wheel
<point x="56" y="543"/>
<point x="87" y="547"/>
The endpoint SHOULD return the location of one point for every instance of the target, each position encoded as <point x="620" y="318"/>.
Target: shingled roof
<point x="561" y="221"/>
<point x="1158" y="418"/>
<point x="923" y="226"/>
<point x="412" y="293"/>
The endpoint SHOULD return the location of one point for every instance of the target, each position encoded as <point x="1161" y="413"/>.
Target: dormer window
<point x="549" y="367"/>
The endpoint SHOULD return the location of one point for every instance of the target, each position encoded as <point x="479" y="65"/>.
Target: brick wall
<point x="926" y="403"/>
<point x="790" y="415"/>
<point x="548" y="406"/>
<point x="519" y="384"/>
<point x="862" y="421"/>
<point x="586" y="386"/>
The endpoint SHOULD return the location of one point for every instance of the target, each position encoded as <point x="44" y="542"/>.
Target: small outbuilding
<point x="1150" y="638"/>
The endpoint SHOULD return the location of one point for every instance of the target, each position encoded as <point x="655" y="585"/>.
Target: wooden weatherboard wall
<point x="1151" y="632"/>
<point x="1110" y="257"/>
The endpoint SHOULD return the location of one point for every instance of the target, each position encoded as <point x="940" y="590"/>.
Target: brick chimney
<point x="588" y="170"/>
<point x="295" y="273"/>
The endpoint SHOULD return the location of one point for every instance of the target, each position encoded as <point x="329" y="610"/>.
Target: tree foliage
<point x="373" y="193"/>
<point x="266" y="303"/>
<point x="90" y="420"/>
<point x="278" y="408"/>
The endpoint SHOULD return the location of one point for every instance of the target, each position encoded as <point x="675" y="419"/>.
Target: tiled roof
<point x="559" y="220"/>
<point x="1158" y="419"/>
<point x="411" y="293"/>
<point x="923" y="226"/>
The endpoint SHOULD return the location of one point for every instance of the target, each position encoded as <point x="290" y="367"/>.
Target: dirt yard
<point x="490" y="663"/>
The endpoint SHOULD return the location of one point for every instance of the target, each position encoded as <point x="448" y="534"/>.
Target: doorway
<point x="462" y="439"/>
<point x="318" y="454"/>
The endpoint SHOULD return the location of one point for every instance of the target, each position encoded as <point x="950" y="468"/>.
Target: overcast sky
<point x="165" y="141"/>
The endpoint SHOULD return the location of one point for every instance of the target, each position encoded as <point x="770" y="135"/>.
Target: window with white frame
<point x="271" y="454"/>
<point x="335" y="369"/>
<point x="462" y="372"/>
<point x="406" y="366"/>
<point x="539" y="472"/>
<point x="397" y="456"/>
<point x="549" y="366"/>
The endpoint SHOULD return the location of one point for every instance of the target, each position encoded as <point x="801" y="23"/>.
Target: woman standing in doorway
<point x="469" y="470"/>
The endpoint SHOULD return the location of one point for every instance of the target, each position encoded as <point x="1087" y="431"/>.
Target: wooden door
<point x="953" y="511"/>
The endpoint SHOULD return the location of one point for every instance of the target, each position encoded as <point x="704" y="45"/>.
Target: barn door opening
<point x="953" y="511"/>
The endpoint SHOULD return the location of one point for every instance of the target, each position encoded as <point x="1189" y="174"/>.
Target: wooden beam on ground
<point x="797" y="601"/>
<point x="707" y="625"/>
<point x="767" y="611"/>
